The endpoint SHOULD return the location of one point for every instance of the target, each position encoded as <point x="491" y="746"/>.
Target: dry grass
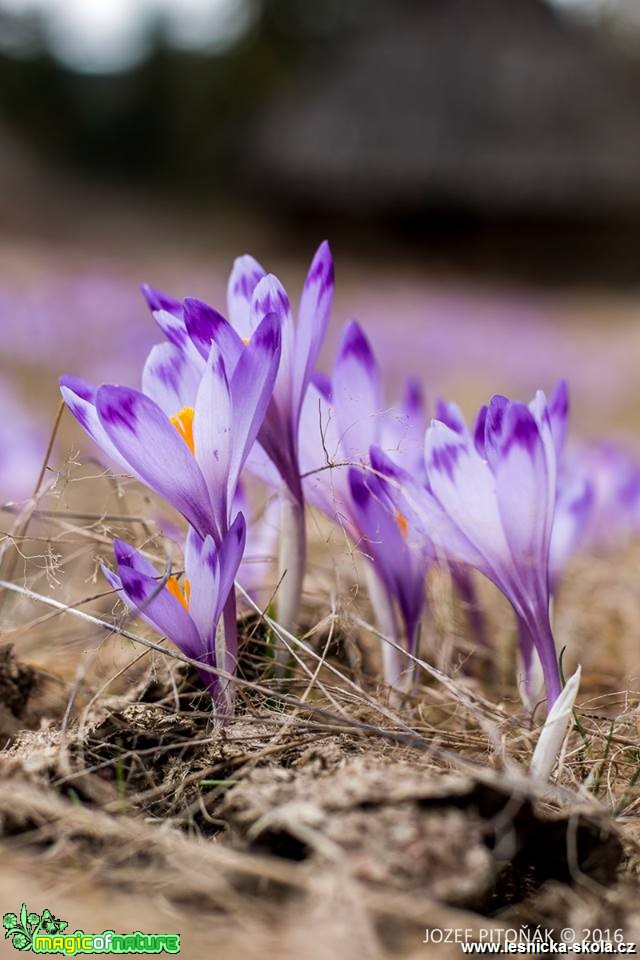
<point x="324" y="820"/>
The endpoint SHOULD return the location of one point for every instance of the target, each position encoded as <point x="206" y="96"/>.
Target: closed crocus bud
<point x="554" y="730"/>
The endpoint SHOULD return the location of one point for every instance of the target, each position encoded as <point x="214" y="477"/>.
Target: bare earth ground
<point x="323" y="821"/>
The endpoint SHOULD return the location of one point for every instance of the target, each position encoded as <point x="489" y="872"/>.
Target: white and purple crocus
<point x="489" y="504"/>
<point x="187" y="611"/>
<point x="224" y="394"/>
<point x="187" y="437"/>
<point x="343" y="416"/>
<point x="253" y="294"/>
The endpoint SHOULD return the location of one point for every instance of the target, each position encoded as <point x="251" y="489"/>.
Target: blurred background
<point x="475" y="165"/>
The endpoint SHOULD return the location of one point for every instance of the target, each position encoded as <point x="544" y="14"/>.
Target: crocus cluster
<point x="223" y="395"/>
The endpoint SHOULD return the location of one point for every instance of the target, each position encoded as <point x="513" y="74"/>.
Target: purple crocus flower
<point x="498" y="490"/>
<point x="186" y="439"/>
<point x="613" y="474"/>
<point x="399" y="568"/>
<point x="187" y="611"/>
<point x="341" y="418"/>
<point x="251" y="295"/>
<point x="191" y="455"/>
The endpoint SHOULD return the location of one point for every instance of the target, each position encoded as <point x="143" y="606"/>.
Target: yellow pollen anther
<point x="180" y="593"/>
<point x="183" y="422"/>
<point x="401" y="520"/>
<point x="245" y="340"/>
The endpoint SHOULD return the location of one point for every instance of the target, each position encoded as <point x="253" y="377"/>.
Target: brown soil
<point x="281" y="834"/>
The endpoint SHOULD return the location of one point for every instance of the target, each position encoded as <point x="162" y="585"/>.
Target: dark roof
<point x="498" y="105"/>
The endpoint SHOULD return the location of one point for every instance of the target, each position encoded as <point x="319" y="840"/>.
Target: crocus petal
<point x="465" y="487"/>
<point x="401" y="430"/>
<point x="158" y="300"/>
<point x="80" y="398"/>
<point x="212" y="434"/>
<point x="245" y="275"/>
<point x="230" y="556"/>
<point x="128" y="556"/>
<point x="427" y="522"/>
<point x="558" y="407"/>
<point x="357" y="393"/>
<point x="313" y="317"/>
<point x="493" y="425"/>
<point x="206" y="326"/>
<point x="383" y="541"/>
<point x="170" y="378"/>
<point x="173" y="327"/>
<point x="325" y="487"/>
<point x="540" y="410"/>
<point x="151" y="600"/>
<point x="204" y="583"/>
<point x="147" y="441"/>
<point x="270" y="297"/>
<point x="450" y="413"/>
<point x="479" y="429"/>
<point x="322" y="383"/>
<point x="521" y="476"/>
<point x="251" y="389"/>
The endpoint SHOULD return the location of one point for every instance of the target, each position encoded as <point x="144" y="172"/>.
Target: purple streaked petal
<point x="324" y="487"/>
<point x="173" y="328"/>
<point x="155" y="452"/>
<point x="151" y="600"/>
<point x="322" y="383"/>
<point x="413" y="401"/>
<point x="540" y="411"/>
<point x="206" y="326"/>
<point x="230" y="557"/>
<point x="479" y="429"/>
<point x="213" y="424"/>
<point x="398" y="567"/>
<point x="158" y="300"/>
<point x="313" y="318"/>
<point x="80" y="398"/>
<point x="465" y="488"/>
<point x="521" y="478"/>
<point x="450" y="413"/>
<point x="270" y="297"/>
<point x="429" y="525"/>
<point x="558" y="407"/>
<point x="171" y="378"/>
<point x="245" y="275"/>
<point x="402" y="430"/>
<point x="493" y="427"/>
<point x="357" y="393"/>
<point x="251" y="388"/>
<point x="204" y="582"/>
<point x="127" y="556"/>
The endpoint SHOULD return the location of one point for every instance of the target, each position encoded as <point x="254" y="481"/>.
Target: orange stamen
<point x="402" y="522"/>
<point x="245" y="340"/>
<point x="180" y="593"/>
<point x="183" y="422"/>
